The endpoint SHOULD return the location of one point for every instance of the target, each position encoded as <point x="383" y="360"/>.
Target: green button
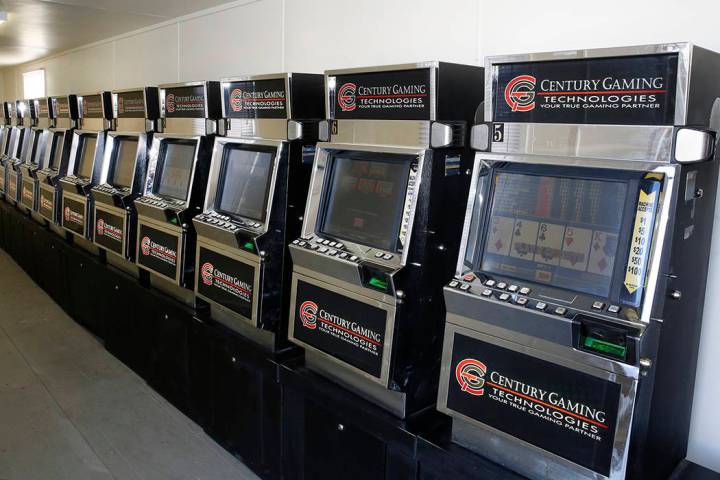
<point x="608" y="348"/>
<point x="249" y="246"/>
<point x="378" y="283"/>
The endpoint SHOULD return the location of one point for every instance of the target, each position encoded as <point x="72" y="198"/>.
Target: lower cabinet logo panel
<point x="566" y="412"/>
<point x="158" y="251"/>
<point x="47" y="203"/>
<point x="12" y="186"/>
<point x="226" y="281"/>
<point x="28" y="194"/>
<point x="109" y="231"/>
<point x="347" y="329"/>
<point x="73" y="215"/>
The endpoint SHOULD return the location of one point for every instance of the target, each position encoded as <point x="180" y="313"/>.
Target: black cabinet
<point x="245" y="402"/>
<point x="330" y="433"/>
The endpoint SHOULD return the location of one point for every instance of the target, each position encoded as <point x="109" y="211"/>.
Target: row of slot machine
<point x="522" y="246"/>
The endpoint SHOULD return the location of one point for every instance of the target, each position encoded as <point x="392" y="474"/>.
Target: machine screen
<point x="86" y="156"/>
<point x="555" y="230"/>
<point x="245" y="181"/>
<point x="124" y="163"/>
<point x="365" y="197"/>
<point x="56" y="152"/>
<point x="177" y="161"/>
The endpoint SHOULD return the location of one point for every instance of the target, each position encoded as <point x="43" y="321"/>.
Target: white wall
<point x="264" y="36"/>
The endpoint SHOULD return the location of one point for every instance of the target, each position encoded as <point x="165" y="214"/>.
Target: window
<point x="34" y="84"/>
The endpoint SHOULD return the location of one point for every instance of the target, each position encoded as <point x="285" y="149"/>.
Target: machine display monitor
<point x="56" y="150"/>
<point x="555" y="230"/>
<point x="244" y="182"/>
<point x="123" y="164"/>
<point x="176" y="160"/>
<point x="365" y="198"/>
<point x="86" y="156"/>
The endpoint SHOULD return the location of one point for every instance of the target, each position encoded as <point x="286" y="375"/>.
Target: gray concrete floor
<point x="70" y="410"/>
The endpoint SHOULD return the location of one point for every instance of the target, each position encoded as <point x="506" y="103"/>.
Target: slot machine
<point x="35" y="157"/>
<point x="381" y="228"/>
<point x="19" y="141"/>
<point x="4" y="145"/>
<point x="573" y="320"/>
<point x="122" y="174"/>
<point x="255" y="200"/>
<point x="63" y="120"/>
<point x="174" y="190"/>
<point x="87" y="144"/>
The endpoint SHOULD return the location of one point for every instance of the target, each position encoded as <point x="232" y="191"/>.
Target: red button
<point x="469" y="277"/>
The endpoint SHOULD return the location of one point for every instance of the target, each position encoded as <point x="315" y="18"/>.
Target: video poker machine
<point x="255" y="200"/>
<point x="63" y="112"/>
<point x="122" y="174"/>
<point x="382" y="227"/>
<point x="35" y="157"/>
<point x="19" y="141"/>
<point x="84" y="167"/>
<point x="174" y="190"/>
<point x="574" y="317"/>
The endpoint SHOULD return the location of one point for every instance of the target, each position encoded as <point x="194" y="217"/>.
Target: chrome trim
<point x="441" y="135"/>
<point x="383" y="68"/>
<point x="268" y="128"/>
<point x="692" y="145"/>
<point x="607" y="142"/>
<point x="401" y="133"/>
<point x="185" y="126"/>
<point x="480" y="137"/>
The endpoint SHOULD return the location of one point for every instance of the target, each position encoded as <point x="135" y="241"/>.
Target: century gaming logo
<point x="170" y="103"/>
<point x="206" y="272"/>
<point x="145" y="245"/>
<point x="101" y="227"/>
<point x="470" y="375"/>
<point x="308" y="314"/>
<point x="520" y="93"/>
<point x="236" y="103"/>
<point x="346" y="97"/>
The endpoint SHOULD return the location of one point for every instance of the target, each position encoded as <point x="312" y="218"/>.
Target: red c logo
<point x="470" y="375"/>
<point x="346" y="97"/>
<point x="308" y="314"/>
<point x="206" y="272"/>
<point x="145" y="245"/>
<point x="520" y="93"/>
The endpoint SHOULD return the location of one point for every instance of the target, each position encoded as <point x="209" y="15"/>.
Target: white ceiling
<point x="37" y="28"/>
